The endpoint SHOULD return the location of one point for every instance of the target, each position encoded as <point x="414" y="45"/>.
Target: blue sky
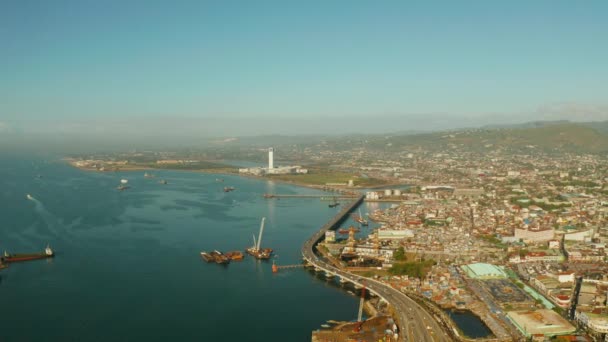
<point x="122" y="60"/>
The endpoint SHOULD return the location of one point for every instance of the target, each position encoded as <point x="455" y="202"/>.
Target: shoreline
<point x="72" y="163"/>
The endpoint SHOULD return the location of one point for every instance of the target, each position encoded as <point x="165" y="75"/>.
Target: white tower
<point x="270" y="158"/>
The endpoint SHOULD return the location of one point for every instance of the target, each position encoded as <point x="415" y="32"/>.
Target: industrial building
<point x="483" y="271"/>
<point x="272" y="170"/>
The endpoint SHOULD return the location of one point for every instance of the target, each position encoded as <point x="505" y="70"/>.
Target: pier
<point x="329" y="197"/>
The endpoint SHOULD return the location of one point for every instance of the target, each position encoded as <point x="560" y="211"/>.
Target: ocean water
<point x="127" y="265"/>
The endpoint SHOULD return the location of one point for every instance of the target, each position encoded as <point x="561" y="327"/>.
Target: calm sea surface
<point x="128" y="266"/>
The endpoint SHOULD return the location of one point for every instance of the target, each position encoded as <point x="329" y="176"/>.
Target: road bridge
<point x="415" y="323"/>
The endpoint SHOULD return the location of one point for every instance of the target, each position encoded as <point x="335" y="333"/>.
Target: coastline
<point x="72" y="162"/>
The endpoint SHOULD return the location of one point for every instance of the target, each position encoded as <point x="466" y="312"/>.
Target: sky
<point x="260" y="67"/>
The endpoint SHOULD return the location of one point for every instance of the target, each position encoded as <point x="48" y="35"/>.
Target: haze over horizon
<point x="177" y="71"/>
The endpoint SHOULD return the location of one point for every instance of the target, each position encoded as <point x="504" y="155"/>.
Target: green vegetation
<point x="327" y="176"/>
<point x="400" y="254"/>
<point x="412" y="269"/>
<point x="581" y="183"/>
<point x="544" y="206"/>
<point x="490" y="238"/>
<point x="202" y="165"/>
<point x="554" y="138"/>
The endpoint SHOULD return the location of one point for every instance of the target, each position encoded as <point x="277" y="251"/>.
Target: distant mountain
<point x="600" y="126"/>
<point x="531" y="124"/>
<point x="553" y="137"/>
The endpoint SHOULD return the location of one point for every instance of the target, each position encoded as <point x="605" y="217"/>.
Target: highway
<point x="415" y="323"/>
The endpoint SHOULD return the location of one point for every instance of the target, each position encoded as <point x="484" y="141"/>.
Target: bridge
<point x="415" y="323"/>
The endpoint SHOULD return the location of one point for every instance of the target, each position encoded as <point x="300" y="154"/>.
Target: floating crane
<point x="256" y="251"/>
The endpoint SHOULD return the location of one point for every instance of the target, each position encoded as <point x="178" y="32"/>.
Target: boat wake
<point x="52" y="222"/>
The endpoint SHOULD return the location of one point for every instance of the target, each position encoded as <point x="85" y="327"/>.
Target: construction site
<point x="380" y="327"/>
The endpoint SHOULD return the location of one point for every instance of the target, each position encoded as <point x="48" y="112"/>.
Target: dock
<point x="322" y="197"/>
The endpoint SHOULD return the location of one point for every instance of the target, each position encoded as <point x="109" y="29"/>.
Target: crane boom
<point x="360" y="316"/>
<point x="260" y="236"/>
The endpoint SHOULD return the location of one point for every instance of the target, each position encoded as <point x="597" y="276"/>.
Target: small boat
<point x="219" y="180"/>
<point x="162" y="181"/>
<point x="361" y="220"/>
<point x="29" y="197"/>
<point x="228" y="188"/>
<point x="124" y="181"/>
<point x="122" y="187"/>
<point x="148" y="175"/>
<point x="325" y="326"/>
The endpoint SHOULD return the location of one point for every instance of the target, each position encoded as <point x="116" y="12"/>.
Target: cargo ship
<point x="255" y="250"/>
<point x="235" y="255"/>
<point x="48" y="253"/>
<point x="220" y="258"/>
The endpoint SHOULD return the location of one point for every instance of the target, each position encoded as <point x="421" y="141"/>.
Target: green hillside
<point x="558" y="137"/>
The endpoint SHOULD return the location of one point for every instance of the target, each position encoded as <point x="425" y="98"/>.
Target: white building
<point x="270" y="158"/>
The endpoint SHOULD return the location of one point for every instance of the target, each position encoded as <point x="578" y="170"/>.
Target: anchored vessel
<point x="48" y="253"/>
<point x="215" y="256"/>
<point x="334" y="204"/>
<point x="256" y="251"/>
<point x="235" y="255"/>
<point x="361" y="220"/>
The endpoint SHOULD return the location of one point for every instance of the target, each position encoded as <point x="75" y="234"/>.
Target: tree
<point x="399" y="254"/>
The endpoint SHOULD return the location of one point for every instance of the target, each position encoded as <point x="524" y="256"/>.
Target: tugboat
<point x="48" y="253"/>
<point x="255" y="250"/>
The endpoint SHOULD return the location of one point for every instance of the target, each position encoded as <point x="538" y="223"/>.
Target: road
<point x="415" y="323"/>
